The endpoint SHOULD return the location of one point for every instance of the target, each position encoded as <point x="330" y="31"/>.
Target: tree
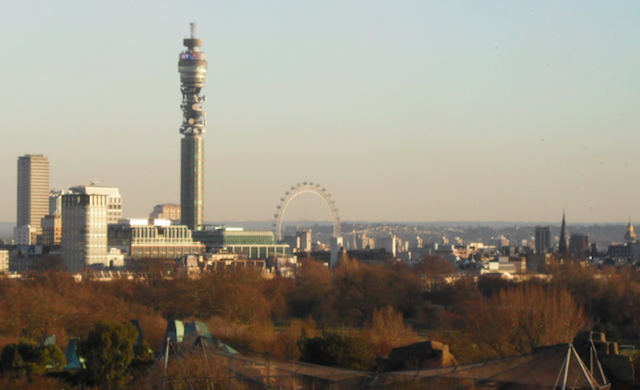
<point x="27" y="358"/>
<point x="517" y="320"/>
<point x="108" y="352"/>
<point x="312" y="292"/>
<point x="347" y="350"/>
<point x="388" y="330"/>
<point x="360" y="289"/>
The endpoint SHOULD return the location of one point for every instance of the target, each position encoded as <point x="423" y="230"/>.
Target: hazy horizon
<point x="450" y="111"/>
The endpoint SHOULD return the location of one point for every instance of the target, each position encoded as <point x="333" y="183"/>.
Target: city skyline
<point x="403" y="112"/>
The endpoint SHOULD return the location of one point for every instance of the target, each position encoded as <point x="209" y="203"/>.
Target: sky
<point x="403" y="111"/>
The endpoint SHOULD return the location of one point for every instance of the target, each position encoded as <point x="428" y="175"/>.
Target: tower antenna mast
<point x="192" y="27"/>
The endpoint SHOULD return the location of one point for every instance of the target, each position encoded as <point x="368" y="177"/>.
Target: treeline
<point x="372" y="308"/>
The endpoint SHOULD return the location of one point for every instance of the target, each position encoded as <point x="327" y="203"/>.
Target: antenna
<point x="192" y="27"/>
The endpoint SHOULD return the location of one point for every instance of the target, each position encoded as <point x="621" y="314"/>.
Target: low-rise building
<point x="156" y="239"/>
<point x="248" y="244"/>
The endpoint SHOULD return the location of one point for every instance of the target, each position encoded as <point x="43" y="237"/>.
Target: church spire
<point x="630" y="236"/>
<point x="563" y="245"/>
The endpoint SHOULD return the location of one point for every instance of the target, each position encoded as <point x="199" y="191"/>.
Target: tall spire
<point x="630" y="236"/>
<point x="563" y="245"/>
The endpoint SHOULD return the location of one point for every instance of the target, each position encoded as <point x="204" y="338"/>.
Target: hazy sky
<point x="407" y="111"/>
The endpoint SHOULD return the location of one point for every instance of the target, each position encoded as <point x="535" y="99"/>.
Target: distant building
<point x="84" y="231"/>
<point x="4" y="261"/>
<point x="293" y="242"/>
<point x="623" y="254"/>
<point x="630" y="236"/>
<point x="114" y="199"/>
<point x="168" y="211"/>
<point x="364" y="242"/>
<point x="536" y="261"/>
<point x="115" y="258"/>
<point x="579" y="244"/>
<point x="31" y="257"/>
<point x="305" y="240"/>
<point x="337" y="246"/>
<point x="387" y="243"/>
<point x="504" y="264"/>
<point x="55" y="202"/>
<point x="156" y="239"/>
<point x="33" y="191"/>
<point x="543" y="239"/>
<point x="502" y="241"/>
<point x="301" y="242"/>
<point x="24" y="235"/>
<point x="51" y="230"/>
<point x="249" y="244"/>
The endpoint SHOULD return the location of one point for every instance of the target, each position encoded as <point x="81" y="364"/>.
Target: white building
<point x="55" y="202"/>
<point x="114" y="199"/>
<point x="115" y="258"/>
<point x="84" y="230"/>
<point x="24" y="235"/>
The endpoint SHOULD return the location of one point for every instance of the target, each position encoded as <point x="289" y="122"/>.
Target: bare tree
<point x="517" y="320"/>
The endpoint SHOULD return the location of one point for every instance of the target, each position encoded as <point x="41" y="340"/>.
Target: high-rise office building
<point x="543" y="239"/>
<point x="33" y="190"/>
<point x="84" y="230"/>
<point x="193" y="68"/>
<point x="114" y="199"/>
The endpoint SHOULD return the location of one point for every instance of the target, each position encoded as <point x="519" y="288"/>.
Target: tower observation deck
<point x="193" y="68"/>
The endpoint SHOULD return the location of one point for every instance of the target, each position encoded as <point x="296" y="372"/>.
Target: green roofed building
<point x="249" y="244"/>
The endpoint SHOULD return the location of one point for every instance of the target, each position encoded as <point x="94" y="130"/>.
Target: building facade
<point x="33" y="191"/>
<point x="543" y="239"/>
<point x="114" y="199"/>
<point x="55" y="202"/>
<point x="248" y="244"/>
<point x="24" y="235"/>
<point x="140" y="239"/>
<point x="168" y="211"/>
<point x="51" y="230"/>
<point x="578" y="244"/>
<point x="84" y="231"/>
